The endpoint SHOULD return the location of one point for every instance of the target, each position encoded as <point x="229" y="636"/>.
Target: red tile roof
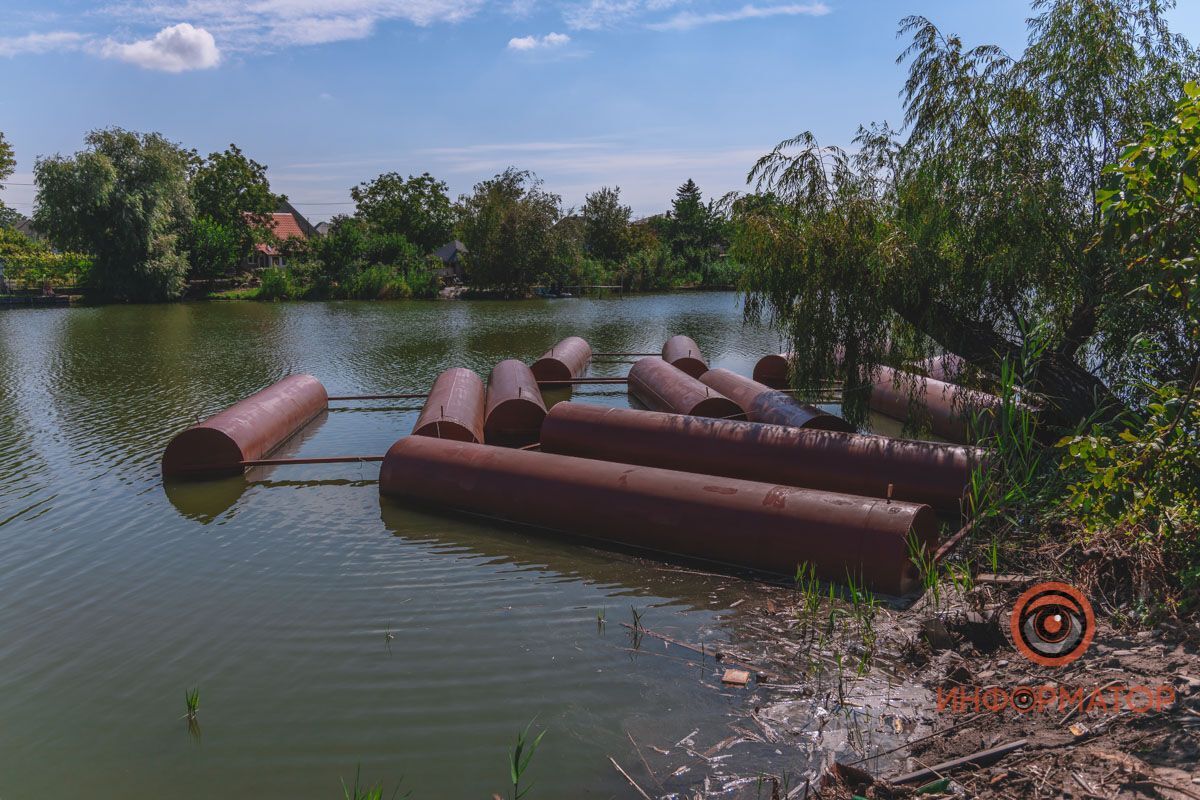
<point x="284" y="226"/>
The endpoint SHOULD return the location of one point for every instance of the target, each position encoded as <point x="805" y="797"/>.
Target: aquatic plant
<point x="192" y="698"/>
<point x="360" y="791"/>
<point x="519" y="758"/>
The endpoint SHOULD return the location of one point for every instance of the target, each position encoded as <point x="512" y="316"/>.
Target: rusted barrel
<point x="761" y="526"/>
<point x="454" y="408"/>
<point x="948" y="405"/>
<point x="661" y="387"/>
<point x="515" y="408"/>
<point x="920" y="472"/>
<point x="567" y="359"/>
<point x="249" y="429"/>
<point x="764" y="404"/>
<point x="683" y="353"/>
<point x="772" y="371"/>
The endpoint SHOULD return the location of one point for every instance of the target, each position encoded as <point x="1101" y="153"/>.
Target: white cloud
<point x="34" y="43"/>
<point x="597" y="14"/>
<point x="549" y="41"/>
<point x="176" y="48"/>
<point x="686" y="20"/>
<point x="274" y="24"/>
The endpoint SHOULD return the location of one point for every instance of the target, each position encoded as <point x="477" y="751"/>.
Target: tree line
<point x="143" y="216"/>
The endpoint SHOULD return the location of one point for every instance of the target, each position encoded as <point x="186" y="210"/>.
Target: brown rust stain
<point x="777" y="496"/>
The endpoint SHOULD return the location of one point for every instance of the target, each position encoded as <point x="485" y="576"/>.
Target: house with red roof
<point x="286" y="223"/>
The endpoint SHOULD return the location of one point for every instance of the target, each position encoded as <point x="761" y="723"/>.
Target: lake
<point x="323" y="628"/>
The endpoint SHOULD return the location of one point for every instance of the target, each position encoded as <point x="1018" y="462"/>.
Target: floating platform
<point x="761" y="526"/>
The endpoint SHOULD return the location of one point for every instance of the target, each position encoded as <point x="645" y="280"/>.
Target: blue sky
<point x="636" y="93"/>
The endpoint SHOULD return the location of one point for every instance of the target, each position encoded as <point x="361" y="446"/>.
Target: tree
<point x="8" y="163"/>
<point x="417" y="208"/>
<point x="124" y="200"/>
<point x="606" y="225"/>
<point x="507" y="224"/>
<point x="214" y="248"/>
<point x="972" y="230"/>
<point x="693" y="228"/>
<point x="232" y="192"/>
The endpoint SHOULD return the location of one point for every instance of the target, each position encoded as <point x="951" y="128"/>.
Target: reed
<point x="192" y="698"/>
<point x="360" y="791"/>
<point x="519" y="758"/>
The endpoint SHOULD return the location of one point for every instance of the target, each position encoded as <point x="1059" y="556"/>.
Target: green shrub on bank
<point x="277" y="284"/>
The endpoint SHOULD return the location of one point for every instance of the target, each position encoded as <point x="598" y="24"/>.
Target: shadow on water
<point x="571" y="558"/>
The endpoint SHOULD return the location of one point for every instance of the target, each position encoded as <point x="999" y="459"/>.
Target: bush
<point x="277" y="284"/>
<point x="379" y="282"/>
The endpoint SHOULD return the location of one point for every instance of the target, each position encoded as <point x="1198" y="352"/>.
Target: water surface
<point x="275" y="594"/>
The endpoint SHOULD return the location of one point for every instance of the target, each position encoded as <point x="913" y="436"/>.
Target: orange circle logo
<point x="1052" y="624"/>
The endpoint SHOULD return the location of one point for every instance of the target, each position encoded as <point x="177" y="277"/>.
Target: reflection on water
<point x="275" y="593"/>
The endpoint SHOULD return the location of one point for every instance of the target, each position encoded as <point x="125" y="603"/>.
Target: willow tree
<point x="124" y="201"/>
<point x="973" y="229"/>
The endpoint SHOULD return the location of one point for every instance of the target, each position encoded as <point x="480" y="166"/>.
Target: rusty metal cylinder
<point x="761" y="526"/>
<point x="249" y="429"/>
<point x="949" y="406"/>
<point x="919" y="472"/>
<point x="772" y="370"/>
<point x="566" y="360"/>
<point x="515" y="408"/>
<point x="764" y="404"/>
<point x="683" y="353"/>
<point x="661" y="387"/>
<point x="454" y="408"/>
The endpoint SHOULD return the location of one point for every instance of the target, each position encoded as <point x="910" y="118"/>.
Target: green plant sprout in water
<point x="519" y="758"/>
<point x="192" y="698"/>
<point x="360" y="791"/>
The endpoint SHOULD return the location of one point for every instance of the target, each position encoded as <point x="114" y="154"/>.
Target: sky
<point x="640" y="94"/>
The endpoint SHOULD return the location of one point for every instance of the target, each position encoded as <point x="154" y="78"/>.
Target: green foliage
<point x="507" y="224"/>
<point x="361" y="791"/>
<point x="214" y="248"/>
<point x="1153" y="210"/>
<point x="417" y="209"/>
<point x="1140" y="477"/>
<point x="652" y="269"/>
<point x="233" y="193"/>
<point x="30" y="264"/>
<point x="973" y="226"/>
<point x="606" y="225"/>
<point x="124" y="200"/>
<point x="379" y="282"/>
<point x="8" y="162"/>
<point x="519" y="758"/>
<point x="278" y="284"/>
<point x="192" y="699"/>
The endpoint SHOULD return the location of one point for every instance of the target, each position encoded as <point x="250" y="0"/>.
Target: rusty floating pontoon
<point x="683" y="353"/>
<point x="764" y="404"/>
<point x="948" y="405"/>
<point x="662" y="387"/>
<point x="761" y="526"/>
<point x="246" y="431"/>
<point x="853" y="463"/>
<point x="454" y="408"/>
<point x="566" y="360"/>
<point x="515" y="408"/>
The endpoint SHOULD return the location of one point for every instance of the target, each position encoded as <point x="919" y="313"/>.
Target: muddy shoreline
<point x="843" y="700"/>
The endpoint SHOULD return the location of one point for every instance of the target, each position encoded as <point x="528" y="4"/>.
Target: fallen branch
<point x="632" y="782"/>
<point x="982" y="758"/>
